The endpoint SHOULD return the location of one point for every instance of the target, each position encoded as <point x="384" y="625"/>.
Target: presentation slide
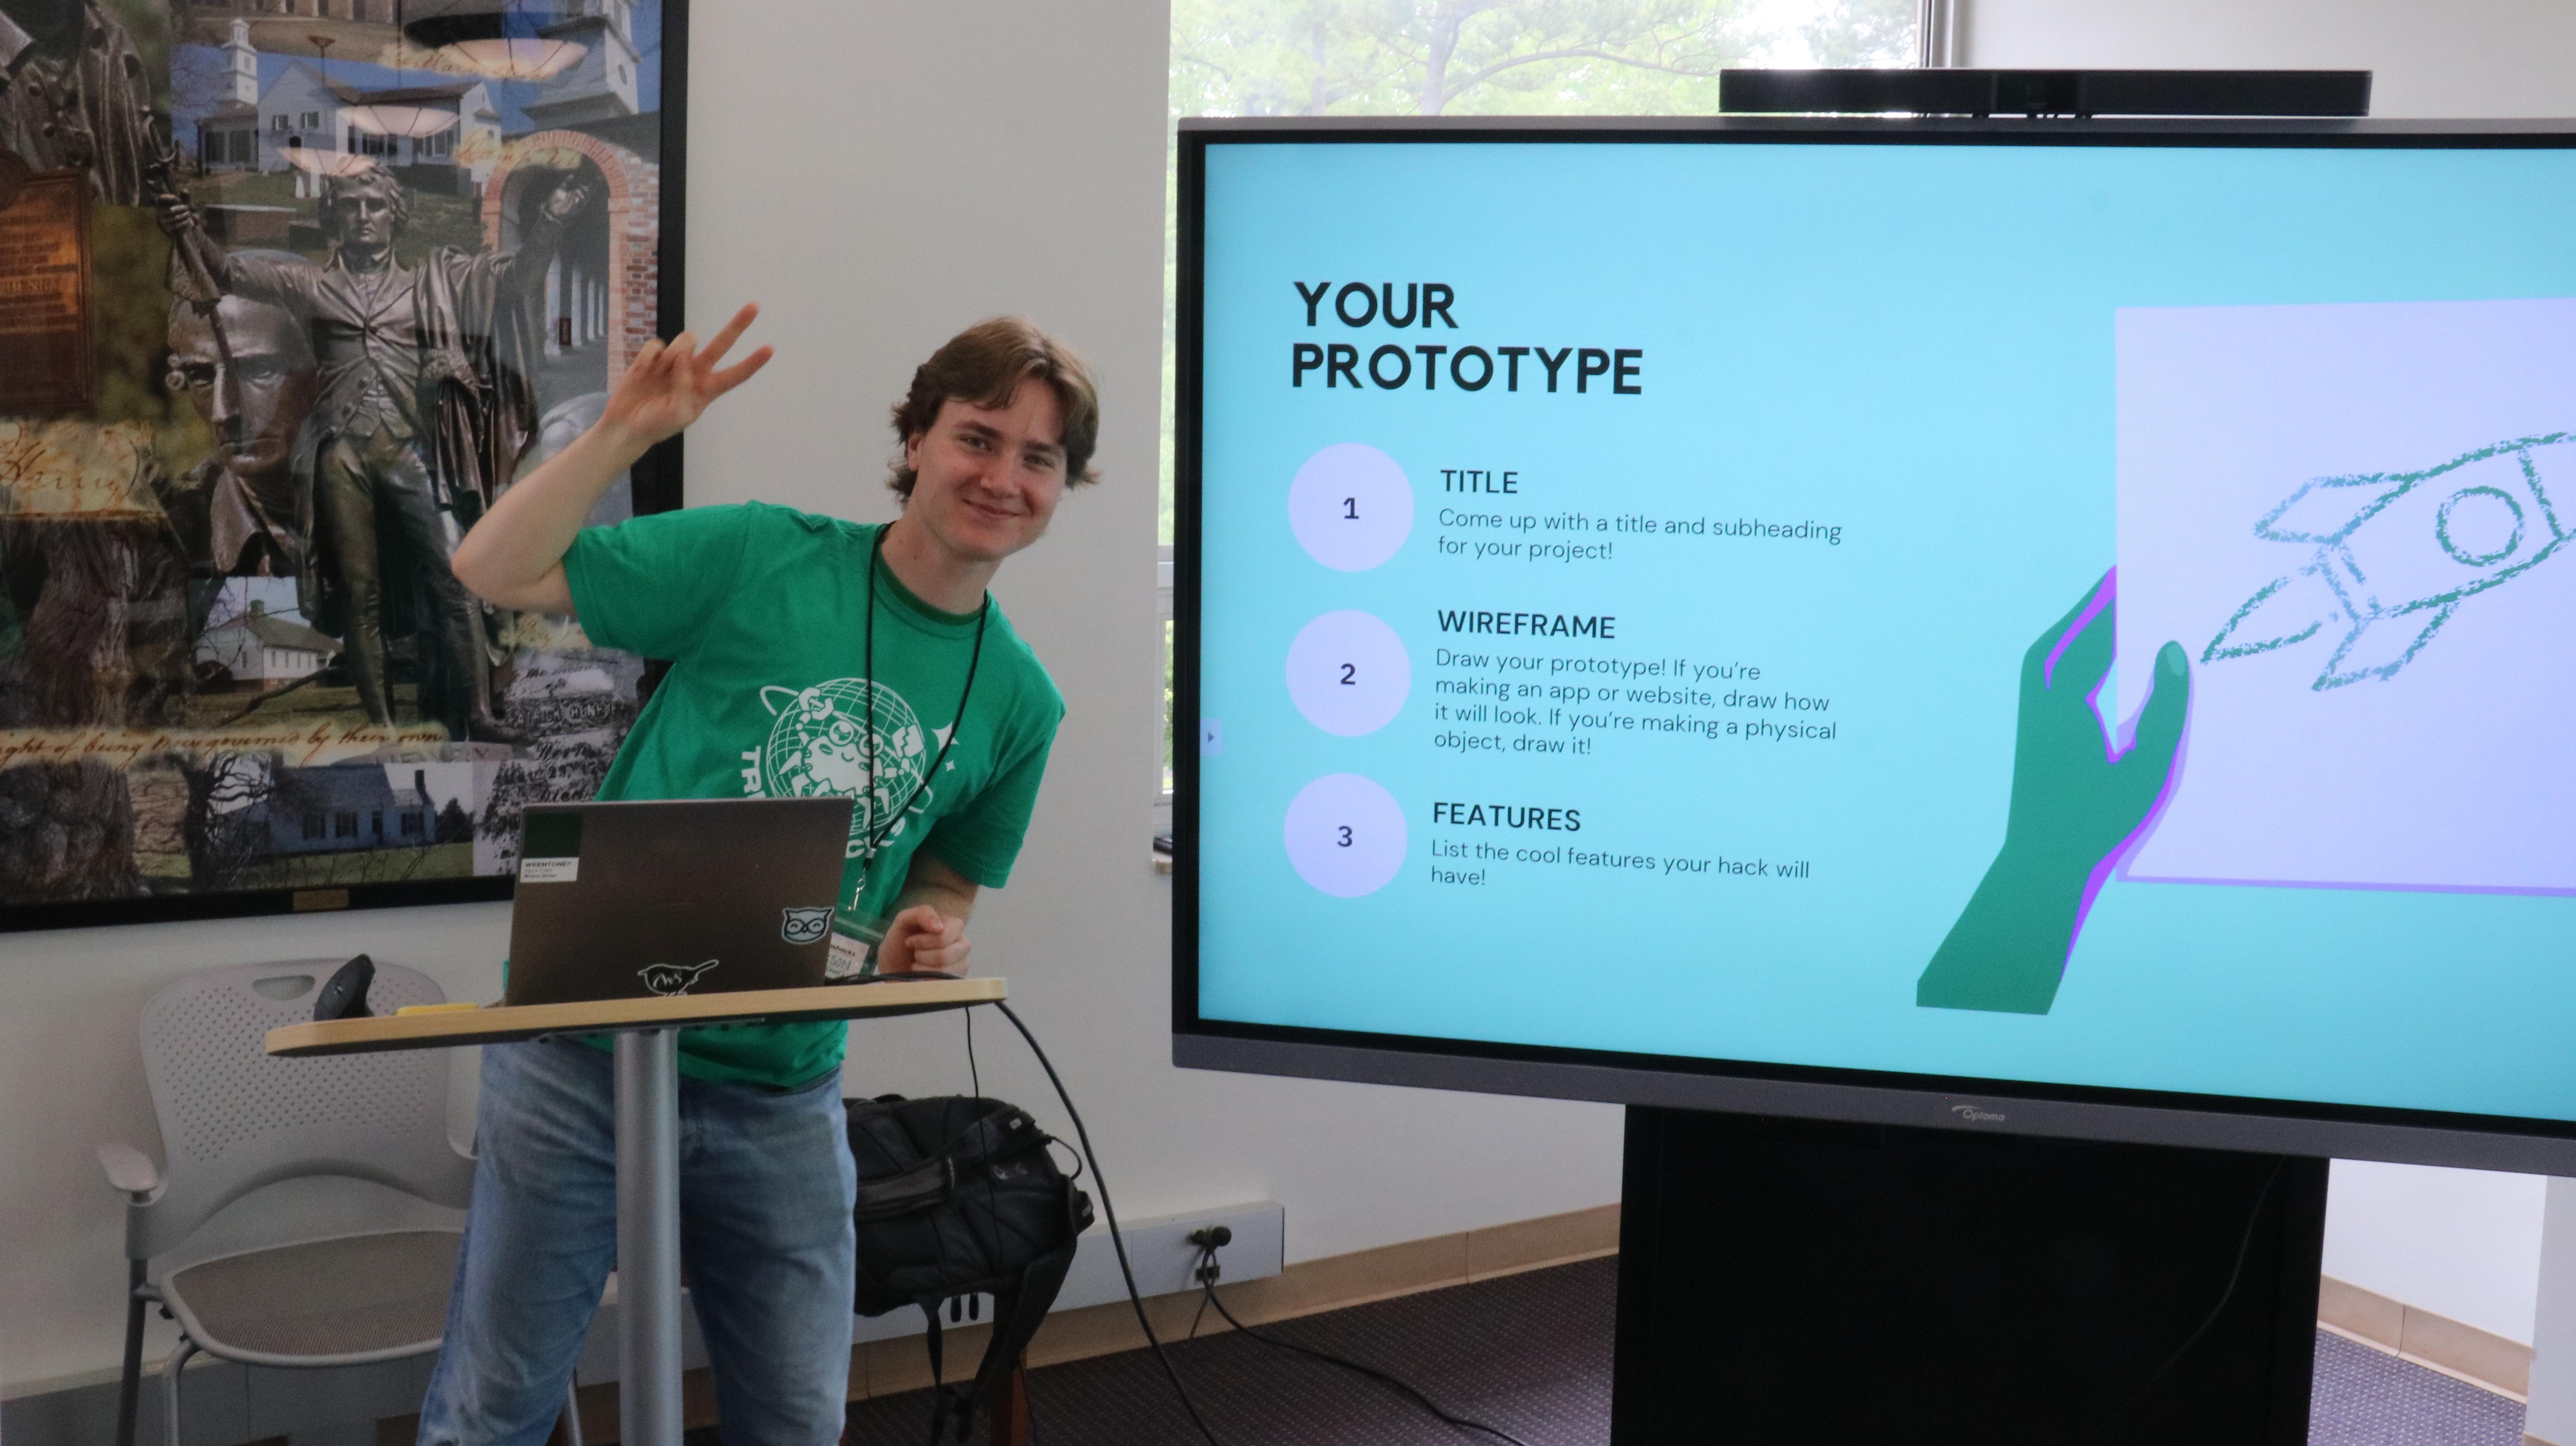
<point x="2078" y="615"/>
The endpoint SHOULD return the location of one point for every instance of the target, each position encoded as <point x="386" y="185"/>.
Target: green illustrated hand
<point x="2076" y="809"/>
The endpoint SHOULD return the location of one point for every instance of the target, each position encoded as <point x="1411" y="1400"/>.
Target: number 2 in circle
<point x="1350" y="675"/>
<point x="1346" y="836"/>
<point x="1350" y="509"/>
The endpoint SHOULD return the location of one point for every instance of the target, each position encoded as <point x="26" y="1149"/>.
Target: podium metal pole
<point x="648" y="1236"/>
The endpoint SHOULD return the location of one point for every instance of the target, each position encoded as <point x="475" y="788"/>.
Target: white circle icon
<point x="1349" y="673"/>
<point x="1350" y="507"/>
<point x="1345" y="834"/>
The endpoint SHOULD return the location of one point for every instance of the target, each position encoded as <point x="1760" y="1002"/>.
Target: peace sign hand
<point x="670" y="384"/>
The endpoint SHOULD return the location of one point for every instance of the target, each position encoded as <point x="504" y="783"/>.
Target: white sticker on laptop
<point x="849" y="957"/>
<point x="671" y="979"/>
<point x="549" y="871"/>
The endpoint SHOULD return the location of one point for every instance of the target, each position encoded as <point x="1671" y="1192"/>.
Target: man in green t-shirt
<point x="809" y="656"/>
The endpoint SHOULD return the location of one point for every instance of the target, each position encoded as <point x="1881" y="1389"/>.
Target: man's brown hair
<point x="984" y="365"/>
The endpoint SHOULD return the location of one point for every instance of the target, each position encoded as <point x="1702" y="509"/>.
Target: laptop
<point x="679" y="896"/>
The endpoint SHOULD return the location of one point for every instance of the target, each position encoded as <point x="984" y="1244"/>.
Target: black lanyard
<point x="983" y="615"/>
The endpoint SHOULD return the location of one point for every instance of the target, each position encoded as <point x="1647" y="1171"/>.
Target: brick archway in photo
<point x="634" y="208"/>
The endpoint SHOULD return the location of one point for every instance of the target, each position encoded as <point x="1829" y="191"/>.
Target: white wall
<point x="2460" y="1243"/>
<point x="2552" y="1415"/>
<point x="879" y="176"/>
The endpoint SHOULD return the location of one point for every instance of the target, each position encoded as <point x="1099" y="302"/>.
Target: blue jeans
<point x="766" y="1188"/>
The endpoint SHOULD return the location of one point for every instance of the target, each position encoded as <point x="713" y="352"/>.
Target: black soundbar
<point x="2047" y="92"/>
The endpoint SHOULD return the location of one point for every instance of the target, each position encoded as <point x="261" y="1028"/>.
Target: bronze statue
<point x="73" y="95"/>
<point x="425" y="409"/>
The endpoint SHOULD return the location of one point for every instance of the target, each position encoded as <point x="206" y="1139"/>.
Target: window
<point x="380" y="823"/>
<point x="1502" y="57"/>
<point x="411" y="823"/>
<point x="278" y="122"/>
<point x="313" y="825"/>
<point x="245" y="147"/>
<point x="312" y="120"/>
<point x="344" y="825"/>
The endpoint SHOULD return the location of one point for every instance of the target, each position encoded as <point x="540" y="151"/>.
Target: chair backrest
<point x="234" y="1118"/>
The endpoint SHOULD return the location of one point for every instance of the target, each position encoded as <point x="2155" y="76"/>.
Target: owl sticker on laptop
<point x="805" y="925"/>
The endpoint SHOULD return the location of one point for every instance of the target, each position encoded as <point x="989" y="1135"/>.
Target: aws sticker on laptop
<point x="550" y="848"/>
<point x="669" y="979"/>
<point x="804" y="925"/>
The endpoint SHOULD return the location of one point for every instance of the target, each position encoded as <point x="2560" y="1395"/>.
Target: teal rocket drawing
<point x="2395" y="554"/>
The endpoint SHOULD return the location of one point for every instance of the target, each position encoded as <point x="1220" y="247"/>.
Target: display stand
<point x="1802" y="1280"/>
<point x="648" y="1131"/>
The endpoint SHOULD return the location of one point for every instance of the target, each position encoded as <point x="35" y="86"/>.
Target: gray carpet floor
<point x="2365" y="1397"/>
<point x="1531" y="1354"/>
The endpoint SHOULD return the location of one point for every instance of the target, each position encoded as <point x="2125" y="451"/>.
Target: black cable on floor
<point x="1109" y="1212"/>
<point x="2235" y="1275"/>
<point x="1207" y="1283"/>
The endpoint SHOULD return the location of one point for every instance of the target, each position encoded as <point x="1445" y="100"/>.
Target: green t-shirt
<point x="762" y="612"/>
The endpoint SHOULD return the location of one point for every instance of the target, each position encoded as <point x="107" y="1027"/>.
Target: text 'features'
<point x="1345" y="835"/>
<point x="1349" y="673"/>
<point x="1350" y="506"/>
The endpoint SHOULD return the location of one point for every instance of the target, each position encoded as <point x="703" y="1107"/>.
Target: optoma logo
<point x="1973" y="1115"/>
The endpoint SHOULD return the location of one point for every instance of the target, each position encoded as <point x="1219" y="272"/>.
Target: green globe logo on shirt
<point x="818" y="747"/>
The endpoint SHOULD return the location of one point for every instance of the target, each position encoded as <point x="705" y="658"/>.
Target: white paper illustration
<point x="2352" y="517"/>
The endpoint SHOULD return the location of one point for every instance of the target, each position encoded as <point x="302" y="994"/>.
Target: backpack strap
<point x="924" y="1185"/>
<point x="939" y="1398"/>
<point x="1019" y="1311"/>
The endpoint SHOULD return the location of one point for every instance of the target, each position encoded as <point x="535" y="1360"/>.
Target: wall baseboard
<point x="894" y="1364"/>
<point x="2481" y="1358"/>
<point x="890" y="1367"/>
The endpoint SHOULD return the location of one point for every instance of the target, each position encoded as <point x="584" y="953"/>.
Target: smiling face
<point x="988" y="479"/>
<point x="254" y="389"/>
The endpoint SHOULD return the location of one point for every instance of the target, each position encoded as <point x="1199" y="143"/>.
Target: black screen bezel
<point x="2496" y="1142"/>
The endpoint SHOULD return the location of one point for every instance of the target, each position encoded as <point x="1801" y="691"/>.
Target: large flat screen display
<point x="2021" y="626"/>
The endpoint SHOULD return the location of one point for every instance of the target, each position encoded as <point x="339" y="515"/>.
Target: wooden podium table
<point x="648" y="1130"/>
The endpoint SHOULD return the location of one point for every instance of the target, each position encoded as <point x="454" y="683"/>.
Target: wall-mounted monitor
<point x="2022" y="626"/>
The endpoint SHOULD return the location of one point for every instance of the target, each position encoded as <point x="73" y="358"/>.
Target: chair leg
<point x="572" y="1413"/>
<point x="170" y="1388"/>
<point x="130" y="1386"/>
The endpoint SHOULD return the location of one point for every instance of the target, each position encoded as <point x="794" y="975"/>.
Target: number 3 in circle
<point x="1345" y="835"/>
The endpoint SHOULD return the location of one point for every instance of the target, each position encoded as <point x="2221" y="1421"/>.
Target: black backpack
<point x="959" y="1197"/>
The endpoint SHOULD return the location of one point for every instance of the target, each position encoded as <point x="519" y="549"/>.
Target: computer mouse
<point x="344" y="996"/>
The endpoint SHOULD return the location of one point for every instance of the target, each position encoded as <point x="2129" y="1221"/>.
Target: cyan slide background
<point x="1915" y="343"/>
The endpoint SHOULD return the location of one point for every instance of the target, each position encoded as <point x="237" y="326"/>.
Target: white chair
<point x="234" y="1120"/>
